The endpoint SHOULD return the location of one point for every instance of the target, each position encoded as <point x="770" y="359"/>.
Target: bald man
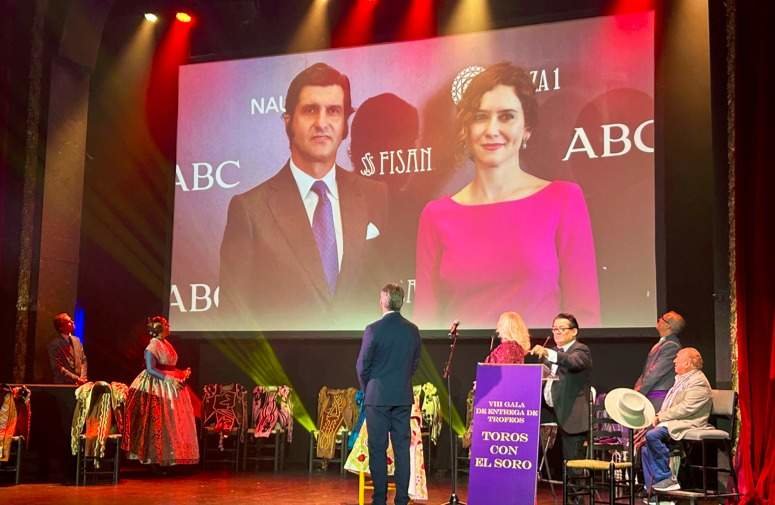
<point x="687" y="406"/>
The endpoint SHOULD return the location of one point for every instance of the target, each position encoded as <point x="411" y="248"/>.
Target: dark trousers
<point x="573" y="448"/>
<point x="380" y="421"/>
<point x="573" y="445"/>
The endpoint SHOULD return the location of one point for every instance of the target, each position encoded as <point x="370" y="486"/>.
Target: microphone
<point x="544" y="344"/>
<point x="492" y="340"/>
<point x="453" y="328"/>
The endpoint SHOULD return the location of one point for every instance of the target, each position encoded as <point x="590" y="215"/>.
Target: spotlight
<point x="151" y="17"/>
<point x="183" y="17"/>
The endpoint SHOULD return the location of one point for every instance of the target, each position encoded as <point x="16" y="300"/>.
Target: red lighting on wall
<point x="161" y="104"/>
<point x="357" y="26"/>
<point x="419" y="21"/>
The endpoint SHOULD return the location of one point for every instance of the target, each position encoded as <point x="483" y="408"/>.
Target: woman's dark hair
<point x="155" y="325"/>
<point x="501" y="73"/>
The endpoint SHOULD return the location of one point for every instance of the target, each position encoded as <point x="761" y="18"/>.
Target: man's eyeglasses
<point x="560" y="330"/>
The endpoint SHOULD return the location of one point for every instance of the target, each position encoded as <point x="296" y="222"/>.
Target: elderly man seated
<point x="687" y="406"/>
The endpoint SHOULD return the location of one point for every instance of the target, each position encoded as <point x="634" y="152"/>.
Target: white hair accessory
<point x="462" y="80"/>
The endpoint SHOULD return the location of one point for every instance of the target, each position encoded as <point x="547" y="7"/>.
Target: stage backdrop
<point x="594" y="85"/>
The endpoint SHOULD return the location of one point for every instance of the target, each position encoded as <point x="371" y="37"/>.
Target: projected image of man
<point x="301" y="250"/>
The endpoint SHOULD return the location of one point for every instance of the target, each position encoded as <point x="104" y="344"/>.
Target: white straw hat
<point x="629" y="408"/>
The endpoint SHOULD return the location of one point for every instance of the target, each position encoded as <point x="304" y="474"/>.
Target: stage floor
<point x="219" y="488"/>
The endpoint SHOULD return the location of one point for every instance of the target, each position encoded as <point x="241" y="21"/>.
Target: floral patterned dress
<point x="159" y="427"/>
<point x="358" y="460"/>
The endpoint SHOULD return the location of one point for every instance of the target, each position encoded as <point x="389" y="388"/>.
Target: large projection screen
<point x="593" y="142"/>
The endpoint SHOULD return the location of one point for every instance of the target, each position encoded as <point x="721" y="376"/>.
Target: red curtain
<point x="755" y="247"/>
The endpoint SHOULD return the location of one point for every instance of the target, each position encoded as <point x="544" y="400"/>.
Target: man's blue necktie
<point x="323" y="231"/>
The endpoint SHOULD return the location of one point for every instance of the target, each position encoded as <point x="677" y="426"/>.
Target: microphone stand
<point x="447" y="374"/>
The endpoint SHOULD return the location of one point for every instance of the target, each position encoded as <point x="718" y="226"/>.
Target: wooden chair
<point x="94" y="464"/>
<point x="705" y="441"/>
<point x="272" y="447"/>
<point x="16" y="454"/>
<point x="224" y="417"/>
<point x="366" y="484"/>
<point x="15" y="401"/>
<point x="609" y="464"/>
<point x="333" y="404"/>
<point x="90" y="466"/>
<point x="340" y="455"/>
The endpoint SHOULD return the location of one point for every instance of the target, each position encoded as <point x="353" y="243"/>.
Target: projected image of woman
<point x="508" y="239"/>
<point x="159" y="424"/>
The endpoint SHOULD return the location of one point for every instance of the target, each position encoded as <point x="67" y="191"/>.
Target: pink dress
<point x="535" y="256"/>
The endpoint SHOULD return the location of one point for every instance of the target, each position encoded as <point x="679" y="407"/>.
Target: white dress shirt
<point x="552" y="357"/>
<point x="310" y="199"/>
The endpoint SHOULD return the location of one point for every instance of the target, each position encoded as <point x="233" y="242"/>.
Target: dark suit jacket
<point x="271" y="275"/>
<point x="570" y="394"/>
<point x="659" y="370"/>
<point x="388" y="358"/>
<point x="67" y="360"/>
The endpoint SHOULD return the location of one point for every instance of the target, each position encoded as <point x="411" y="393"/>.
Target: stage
<point x="183" y="486"/>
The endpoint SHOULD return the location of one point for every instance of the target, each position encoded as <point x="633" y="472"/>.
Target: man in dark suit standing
<point x="568" y="396"/>
<point x="65" y="353"/>
<point x="658" y="373"/>
<point x="388" y="358"/>
<point x="301" y="250"/>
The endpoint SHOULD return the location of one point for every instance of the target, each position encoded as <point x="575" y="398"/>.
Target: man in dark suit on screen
<point x="301" y="250"/>
<point x="387" y="360"/>
<point x="568" y="396"/>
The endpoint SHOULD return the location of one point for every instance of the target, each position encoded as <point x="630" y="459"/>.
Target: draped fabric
<point x="360" y="398"/>
<point x="753" y="240"/>
<point x="98" y="413"/>
<point x="427" y="396"/>
<point x="224" y="409"/>
<point x="336" y="410"/>
<point x="272" y="410"/>
<point x="14" y="417"/>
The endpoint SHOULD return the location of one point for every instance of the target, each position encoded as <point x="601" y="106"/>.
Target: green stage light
<point x="427" y="372"/>
<point x="257" y="359"/>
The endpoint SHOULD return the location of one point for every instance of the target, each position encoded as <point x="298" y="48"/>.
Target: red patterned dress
<point x="159" y="427"/>
<point x="508" y="352"/>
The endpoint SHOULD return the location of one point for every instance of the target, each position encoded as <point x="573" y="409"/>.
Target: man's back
<point x="388" y="359"/>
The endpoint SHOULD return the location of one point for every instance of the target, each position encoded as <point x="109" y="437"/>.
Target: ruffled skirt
<point x="159" y="423"/>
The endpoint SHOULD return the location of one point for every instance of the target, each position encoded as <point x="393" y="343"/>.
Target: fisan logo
<point x="400" y="161"/>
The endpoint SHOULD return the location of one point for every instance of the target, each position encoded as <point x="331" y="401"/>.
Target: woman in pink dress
<point x="159" y="425"/>
<point x="508" y="239"/>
